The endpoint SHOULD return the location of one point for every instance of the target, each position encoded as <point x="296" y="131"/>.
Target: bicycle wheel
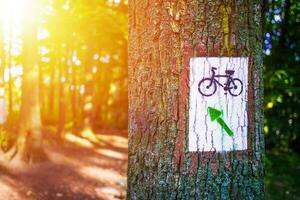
<point x="236" y="87"/>
<point x="206" y="88"/>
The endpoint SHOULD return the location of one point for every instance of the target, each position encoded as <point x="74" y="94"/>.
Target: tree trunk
<point x="88" y="82"/>
<point x="2" y="79"/>
<point x="10" y="82"/>
<point x="73" y="88"/>
<point x="52" y="82"/>
<point x="61" y="99"/>
<point x="164" y="38"/>
<point x="29" y="143"/>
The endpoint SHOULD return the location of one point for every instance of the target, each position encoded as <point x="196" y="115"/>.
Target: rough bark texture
<point x="163" y="36"/>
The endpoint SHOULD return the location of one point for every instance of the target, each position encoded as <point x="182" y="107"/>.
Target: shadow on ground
<point x="86" y="167"/>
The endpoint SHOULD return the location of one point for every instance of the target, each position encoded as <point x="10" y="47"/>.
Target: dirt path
<point x="78" y="170"/>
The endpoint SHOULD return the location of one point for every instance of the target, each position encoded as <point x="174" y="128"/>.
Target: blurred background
<point x="80" y="54"/>
<point x="282" y="98"/>
<point x="82" y="50"/>
<point x="82" y="84"/>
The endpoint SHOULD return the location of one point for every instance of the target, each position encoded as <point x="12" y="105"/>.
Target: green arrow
<point x="216" y="114"/>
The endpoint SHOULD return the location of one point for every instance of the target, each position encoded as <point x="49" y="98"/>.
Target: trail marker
<point x="218" y="116"/>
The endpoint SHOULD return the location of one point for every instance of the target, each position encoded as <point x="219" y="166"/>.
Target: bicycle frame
<point x="213" y="78"/>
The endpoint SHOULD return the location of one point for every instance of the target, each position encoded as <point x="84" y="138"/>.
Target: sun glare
<point x="12" y="12"/>
<point x="14" y="18"/>
<point x="13" y="15"/>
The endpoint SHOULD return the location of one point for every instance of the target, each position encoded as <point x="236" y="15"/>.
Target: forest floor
<point x="81" y="168"/>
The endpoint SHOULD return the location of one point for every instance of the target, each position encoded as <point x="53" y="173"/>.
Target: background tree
<point x="29" y="142"/>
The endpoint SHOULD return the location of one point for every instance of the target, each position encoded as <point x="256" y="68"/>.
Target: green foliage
<point x="282" y="99"/>
<point x="282" y="69"/>
<point x="282" y="175"/>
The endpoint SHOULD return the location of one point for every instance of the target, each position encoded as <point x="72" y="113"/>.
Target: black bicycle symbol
<point x="208" y="86"/>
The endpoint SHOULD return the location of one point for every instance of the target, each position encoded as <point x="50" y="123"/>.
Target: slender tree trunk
<point x="74" y="95"/>
<point x="163" y="38"/>
<point x="61" y="98"/>
<point x="10" y="82"/>
<point x="100" y="98"/>
<point x="42" y="98"/>
<point x="88" y="81"/>
<point x="52" y="82"/>
<point x="2" y="80"/>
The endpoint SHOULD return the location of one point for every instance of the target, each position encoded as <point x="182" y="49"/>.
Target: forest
<point x="63" y="81"/>
<point x="64" y="98"/>
<point x="282" y="94"/>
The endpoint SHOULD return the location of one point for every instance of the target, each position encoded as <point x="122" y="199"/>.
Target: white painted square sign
<point x="218" y="103"/>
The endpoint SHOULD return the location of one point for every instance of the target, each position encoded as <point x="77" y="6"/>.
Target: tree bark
<point x="29" y="142"/>
<point x="163" y="37"/>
